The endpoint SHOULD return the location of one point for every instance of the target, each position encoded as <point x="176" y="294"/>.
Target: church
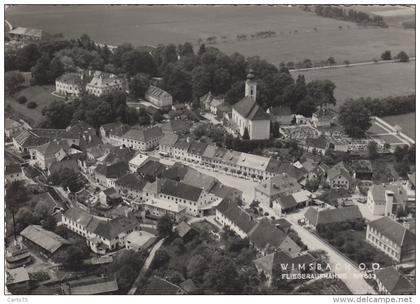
<point x="247" y="114"/>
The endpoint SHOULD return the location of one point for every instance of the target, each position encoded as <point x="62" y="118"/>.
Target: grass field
<point x="151" y="25"/>
<point x="39" y="94"/>
<point x="378" y="80"/>
<point x="406" y="121"/>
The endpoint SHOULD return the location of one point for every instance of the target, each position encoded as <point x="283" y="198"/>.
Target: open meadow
<point x="376" y="80"/>
<point x="295" y="29"/>
<point x="406" y="121"/>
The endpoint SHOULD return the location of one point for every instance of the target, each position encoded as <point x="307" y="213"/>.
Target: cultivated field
<point x="299" y="34"/>
<point x="376" y="80"/>
<point x="393" y="15"/>
<point x="406" y="121"/>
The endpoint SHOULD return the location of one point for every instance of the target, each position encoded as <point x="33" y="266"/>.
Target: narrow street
<point x="146" y="266"/>
<point x="340" y="265"/>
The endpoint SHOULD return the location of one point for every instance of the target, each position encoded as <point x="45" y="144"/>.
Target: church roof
<point x="248" y="108"/>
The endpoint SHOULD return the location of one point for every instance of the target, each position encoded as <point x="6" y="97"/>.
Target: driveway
<point x="339" y="264"/>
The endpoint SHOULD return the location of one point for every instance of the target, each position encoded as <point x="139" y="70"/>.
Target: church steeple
<point x="251" y="86"/>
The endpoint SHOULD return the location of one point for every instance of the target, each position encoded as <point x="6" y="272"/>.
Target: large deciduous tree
<point x="354" y="116"/>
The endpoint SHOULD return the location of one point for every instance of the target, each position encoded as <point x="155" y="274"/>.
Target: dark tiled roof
<point x="131" y="181"/>
<point x="144" y="134"/>
<point x="249" y="109"/>
<point x="286" y="201"/>
<point x="115" y="128"/>
<point x="237" y="215"/>
<point x="176" y="172"/>
<point x="175" y="125"/>
<point x="151" y="168"/>
<point x="119" y="154"/>
<point x="91" y="286"/>
<point x="180" y="190"/>
<point x="182" y="145"/>
<point x="43" y="238"/>
<point x="318" y="142"/>
<point x="111" y="229"/>
<point x="265" y="235"/>
<point x="65" y="164"/>
<point x="394" y="282"/>
<point x="394" y="231"/>
<point x="168" y="140"/>
<point x="71" y="78"/>
<point x="82" y="218"/>
<point x="197" y="148"/>
<point x="112" y="171"/>
<point x="328" y="216"/>
<point x="159" y="286"/>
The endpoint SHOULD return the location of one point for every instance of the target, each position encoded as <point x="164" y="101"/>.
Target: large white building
<point x="247" y="114"/>
<point x="158" y="97"/>
<point x="386" y="199"/>
<point x="104" y="83"/>
<point x="69" y="84"/>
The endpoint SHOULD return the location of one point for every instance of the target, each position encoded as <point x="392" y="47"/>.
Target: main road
<point x="340" y="265"/>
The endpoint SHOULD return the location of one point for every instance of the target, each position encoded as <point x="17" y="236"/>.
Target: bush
<point x="31" y="105"/>
<point x="22" y="99"/>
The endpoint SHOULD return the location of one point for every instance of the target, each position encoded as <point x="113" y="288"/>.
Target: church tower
<point x="251" y="86"/>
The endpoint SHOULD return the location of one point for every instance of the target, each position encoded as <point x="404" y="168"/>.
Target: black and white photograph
<point x="209" y="149"/>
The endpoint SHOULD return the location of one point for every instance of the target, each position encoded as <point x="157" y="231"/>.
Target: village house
<point x="319" y="145"/>
<point x="158" y="97"/>
<point x="139" y="240"/>
<point x="47" y="243"/>
<point x="51" y="152"/>
<point x="167" y="143"/>
<point x="393" y="239"/>
<point x="248" y="115"/>
<point x="362" y="169"/>
<point x="290" y="202"/>
<point x="107" y="175"/>
<point x="104" y="83"/>
<point x="269" y="190"/>
<point x="157" y="207"/>
<point x="137" y="161"/>
<point x="338" y="177"/>
<point x="109" y="197"/>
<point x="176" y="126"/>
<point x="267" y="238"/>
<point x="386" y="199"/>
<point x="315" y="217"/>
<point x="111" y="133"/>
<point x="131" y="186"/>
<point x="25" y="140"/>
<point x="24" y="33"/>
<point x="70" y="85"/>
<point x="231" y="215"/>
<point x="271" y="264"/>
<point x="142" y="139"/>
<point x="392" y="282"/>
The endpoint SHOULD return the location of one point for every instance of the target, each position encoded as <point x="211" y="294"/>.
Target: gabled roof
<point x="183" y="228"/>
<point x="143" y="134"/>
<point x="45" y="239"/>
<point x="237" y="215"/>
<point x="24" y="31"/>
<point x="83" y="219"/>
<point x="52" y="147"/>
<point x="26" y="138"/>
<point x="70" y="164"/>
<point x="151" y="168"/>
<point x="180" y="190"/>
<point x="176" y="172"/>
<point x="379" y="193"/>
<point x="317" y="142"/>
<point x="131" y="181"/>
<point x="265" y="236"/>
<point x="286" y="201"/>
<point x="112" y="171"/>
<point x="104" y="80"/>
<point x="200" y="180"/>
<point x="157" y="92"/>
<point x="182" y="145"/>
<point x="197" y="148"/>
<point x="91" y="286"/>
<point x="71" y="78"/>
<point x="159" y="286"/>
<point x="394" y="282"/>
<point x="394" y="231"/>
<point x="168" y="140"/>
<point x="175" y="125"/>
<point x="279" y="184"/>
<point x="111" y="229"/>
<point x="329" y="216"/>
<point x="248" y="108"/>
<point x="338" y="169"/>
<point x="115" y="128"/>
<point x="119" y="154"/>
<point x="253" y="161"/>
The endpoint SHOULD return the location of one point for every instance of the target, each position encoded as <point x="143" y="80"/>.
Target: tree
<point x="72" y="256"/>
<point x="197" y="267"/>
<point x="222" y="276"/>
<point x="386" y="55"/>
<point x="274" y="129"/>
<point x="235" y="93"/>
<point x="245" y="136"/>
<point x="27" y="57"/>
<point x="138" y="85"/>
<point x="403" y="57"/>
<point x="321" y="92"/>
<point x="157" y="116"/>
<point x="165" y="226"/>
<point x="58" y="115"/>
<point x="372" y="148"/>
<point x="22" y="99"/>
<point x="355" y="118"/>
<point x="177" y="82"/>
<point x="201" y="81"/>
<point x="23" y="218"/>
<point x="331" y="61"/>
<point x="13" y="80"/>
<point x="161" y="259"/>
<point x="136" y="61"/>
<point x="40" y="71"/>
<point x="49" y="223"/>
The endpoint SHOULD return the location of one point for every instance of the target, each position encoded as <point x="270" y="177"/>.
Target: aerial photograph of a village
<point x="209" y="150"/>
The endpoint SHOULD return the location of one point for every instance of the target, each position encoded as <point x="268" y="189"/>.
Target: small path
<point x="145" y="266"/>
